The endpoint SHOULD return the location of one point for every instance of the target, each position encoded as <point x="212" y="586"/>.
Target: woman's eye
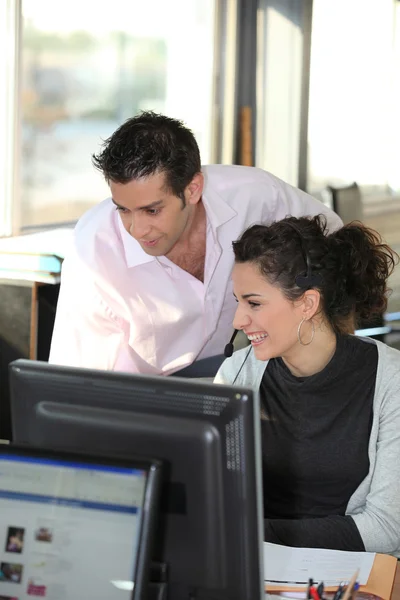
<point x="254" y="304"/>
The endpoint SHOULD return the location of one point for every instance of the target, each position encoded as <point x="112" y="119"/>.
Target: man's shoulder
<point x="222" y="177"/>
<point x="98" y="218"/>
<point x="244" y="189"/>
<point x="96" y="234"/>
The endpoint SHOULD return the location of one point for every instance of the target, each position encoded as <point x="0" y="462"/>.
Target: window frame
<point x="10" y="113"/>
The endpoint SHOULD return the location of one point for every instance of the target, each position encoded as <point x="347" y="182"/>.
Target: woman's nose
<point x="241" y="319"/>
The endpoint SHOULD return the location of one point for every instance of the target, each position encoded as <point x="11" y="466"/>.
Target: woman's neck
<point x="304" y="361"/>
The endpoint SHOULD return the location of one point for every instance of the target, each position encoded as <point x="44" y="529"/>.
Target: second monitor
<point x="210" y="533"/>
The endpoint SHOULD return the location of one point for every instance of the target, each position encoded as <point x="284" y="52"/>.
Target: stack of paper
<point x="289" y="569"/>
<point x="295" y="566"/>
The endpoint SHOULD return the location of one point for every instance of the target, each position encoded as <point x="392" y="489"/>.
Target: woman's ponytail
<point x="363" y="266"/>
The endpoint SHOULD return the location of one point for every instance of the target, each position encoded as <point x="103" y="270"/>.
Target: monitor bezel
<point x="150" y="505"/>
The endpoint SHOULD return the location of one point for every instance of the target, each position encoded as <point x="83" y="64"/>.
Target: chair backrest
<point x="203" y="368"/>
<point x="347" y="203"/>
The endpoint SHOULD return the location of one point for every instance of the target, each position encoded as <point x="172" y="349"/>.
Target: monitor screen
<point x="70" y="527"/>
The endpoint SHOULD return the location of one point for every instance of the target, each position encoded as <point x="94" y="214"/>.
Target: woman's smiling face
<point x="266" y="316"/>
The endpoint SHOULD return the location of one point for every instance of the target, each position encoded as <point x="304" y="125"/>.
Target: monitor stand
<point x="158" y="586"/>
<point x="157" y="591"/>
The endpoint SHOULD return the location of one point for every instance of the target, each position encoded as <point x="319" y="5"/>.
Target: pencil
<point x="350" y="588"/>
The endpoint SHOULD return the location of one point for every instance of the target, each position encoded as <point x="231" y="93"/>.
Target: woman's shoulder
<point x="387" y="388"/>
<point x="389" y="359"/>
<point x="387" y="355"/>
<point x="242" y="368"/>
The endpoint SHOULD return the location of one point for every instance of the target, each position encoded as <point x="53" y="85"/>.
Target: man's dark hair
<point x="148" y="144"/>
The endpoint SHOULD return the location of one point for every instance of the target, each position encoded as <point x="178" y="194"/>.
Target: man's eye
<point x="121" y="209"/>
<point x="153" y="211"/>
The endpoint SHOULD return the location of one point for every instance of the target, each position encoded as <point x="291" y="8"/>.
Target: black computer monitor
<point x="208" y="437"/>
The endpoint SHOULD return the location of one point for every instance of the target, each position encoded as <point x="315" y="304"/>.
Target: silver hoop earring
<point x="299" y="330"/>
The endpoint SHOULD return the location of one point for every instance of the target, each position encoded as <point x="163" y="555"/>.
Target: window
<point x="353" y="120"/>
<point x="85" y="67"/>
<point x="279" y="70"/>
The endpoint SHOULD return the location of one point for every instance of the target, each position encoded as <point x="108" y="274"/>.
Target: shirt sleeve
<point x="333" y="532"/>
<point x="86" y="332"/>
<point x="379" y="521"/>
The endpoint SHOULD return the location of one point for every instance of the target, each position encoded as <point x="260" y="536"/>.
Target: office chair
<point x="347" y="202"/>
<point x="206" y="368"/>
<point x="203" y="368"/>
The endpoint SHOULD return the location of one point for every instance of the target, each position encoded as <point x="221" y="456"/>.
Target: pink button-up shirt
<point x="122" y="309"/>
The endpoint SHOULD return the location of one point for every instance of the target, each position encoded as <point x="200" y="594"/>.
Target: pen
<point x="288" y="582"/>
<point x="339" y="591"/>
<point x="320" y="590"/>
<point x="314" y="593"/>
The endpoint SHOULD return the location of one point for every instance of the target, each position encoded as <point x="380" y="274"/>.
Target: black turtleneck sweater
<point x="315" y="434"/>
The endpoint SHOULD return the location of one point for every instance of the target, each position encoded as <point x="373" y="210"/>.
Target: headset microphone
<point x="229" y="347"/>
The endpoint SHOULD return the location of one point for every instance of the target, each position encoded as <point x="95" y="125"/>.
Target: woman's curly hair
<point x="353" y="262"/>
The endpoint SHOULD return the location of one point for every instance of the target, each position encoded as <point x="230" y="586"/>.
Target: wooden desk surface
<point x="396" y="586"/>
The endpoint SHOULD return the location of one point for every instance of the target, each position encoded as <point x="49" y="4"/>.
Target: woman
<point x="330" y="402"/>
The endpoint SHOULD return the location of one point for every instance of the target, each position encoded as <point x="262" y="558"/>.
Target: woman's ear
<point x="311" y="303"/>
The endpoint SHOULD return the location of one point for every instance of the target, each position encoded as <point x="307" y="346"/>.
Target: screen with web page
<point x="68" y="529"/>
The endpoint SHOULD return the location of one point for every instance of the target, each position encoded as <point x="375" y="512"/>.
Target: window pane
<point x="279" y="87"/>
<point x="85" y="69"/>
<point x="353" y="106"/>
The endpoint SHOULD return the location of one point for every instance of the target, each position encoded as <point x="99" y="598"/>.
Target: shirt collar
<point x="218" y="213"/>
<point x="134" y="253"/>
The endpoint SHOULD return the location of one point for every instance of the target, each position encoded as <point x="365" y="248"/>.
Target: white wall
<point x="352" y="104"/>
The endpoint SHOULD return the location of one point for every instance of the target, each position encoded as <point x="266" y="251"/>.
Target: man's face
<point x="151" y="214"/>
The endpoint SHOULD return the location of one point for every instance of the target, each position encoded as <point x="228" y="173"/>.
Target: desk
<point x="396" y="586"/>
<point x="27" y="311"/>
<point x="30" y="268"/>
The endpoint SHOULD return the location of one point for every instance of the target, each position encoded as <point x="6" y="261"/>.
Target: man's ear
<point x="194" y="190"/>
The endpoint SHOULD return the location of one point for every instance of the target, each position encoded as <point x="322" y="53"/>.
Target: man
<point x="147" y="286"/>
